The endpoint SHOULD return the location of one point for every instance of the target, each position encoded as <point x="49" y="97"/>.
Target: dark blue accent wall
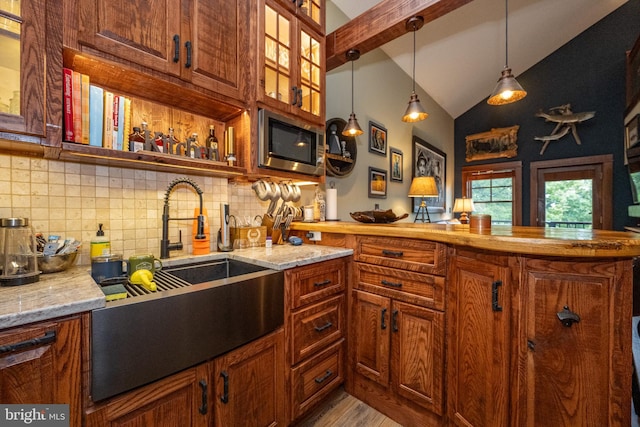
<point x="588" y="73"/>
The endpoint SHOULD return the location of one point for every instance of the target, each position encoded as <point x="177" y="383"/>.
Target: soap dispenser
<point x="100" y="245"/>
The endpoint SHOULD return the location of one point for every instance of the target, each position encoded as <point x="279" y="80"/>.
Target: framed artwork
<point x="632" y="131"/>
<point x="377" y="183"/>
<point x="377" y="139"/>
<point x="395" y="164"/>
<point x="427" y="160"/>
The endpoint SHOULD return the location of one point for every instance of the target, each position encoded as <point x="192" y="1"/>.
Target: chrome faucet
<point x="165" y="245"/>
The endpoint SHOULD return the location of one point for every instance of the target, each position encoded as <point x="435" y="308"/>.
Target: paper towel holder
<point x="331" y="203"/>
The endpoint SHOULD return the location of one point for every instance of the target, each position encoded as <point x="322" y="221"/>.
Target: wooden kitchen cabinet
<point x="311" y="11"/>
<point x="22" y="94"/>
<point x="315" y="325"/>
<point x="291" y="71"/>
<point x="250" y="384"/>
<point x="40" y="364"/>
<point x="513" y="361"/>
<point x="396" y="346"/>
<point x="198" y="41"/>
<point x="478" y="332"/>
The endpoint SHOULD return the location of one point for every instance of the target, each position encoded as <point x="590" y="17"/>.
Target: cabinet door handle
<point x="567" y="317"/>
<point x="323" y="327"/>
<point x="394" y="321"/>
<point x="48" y="337"/>
<point x="323" y="283"/>
<point x="176" y="48"/>
<point x="295" y="95"/>
<point x="494" y="295"/>
<point x="225" y="391"/>
<point x="203" y="407"/>
<point x="396" y="254"/>
<point x="188" y="46"/>
<point x="324" y="377"/>
<point x="393" y="285"/>
<point x="300" y="97"/>
<point x="383" y="322"/>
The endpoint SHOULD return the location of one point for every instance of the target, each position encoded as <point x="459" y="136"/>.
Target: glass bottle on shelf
<point x="212" y="145"/>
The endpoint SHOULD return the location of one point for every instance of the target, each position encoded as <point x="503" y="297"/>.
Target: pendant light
<point x="414" y="112"/>
<point x="507" y="89"/>
<point x="352" y="128"/>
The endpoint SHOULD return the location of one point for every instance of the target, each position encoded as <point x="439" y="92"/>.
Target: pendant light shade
<point x="352" y="128"/>
<point x="415" y="112"/>
<point x="507" y="89"/>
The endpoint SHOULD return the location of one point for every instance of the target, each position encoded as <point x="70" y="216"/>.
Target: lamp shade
<point x="507" y="90"/>
<point x="423" y="186"/>
<point x="463" y="204"/>
<point x="415" y="111"/>
<point x="352" y="128"/>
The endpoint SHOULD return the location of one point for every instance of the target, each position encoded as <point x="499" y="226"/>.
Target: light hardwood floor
<point x="342" y="409"/>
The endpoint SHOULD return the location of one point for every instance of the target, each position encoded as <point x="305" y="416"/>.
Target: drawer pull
<point x="203" y="407"/>
<point x="396" y="254"/>
<point x="323" y="283"/>
<point x="324" y="377"/>
<point x="495" y="304"/>
<point x="46" y="339"/>
<point x="383" y="322"/>
<point x="393" y="285"/>
<point x="323" y="327"/>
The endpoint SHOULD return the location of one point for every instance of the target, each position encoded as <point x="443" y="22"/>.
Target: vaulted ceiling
<point x="459" y="55"/>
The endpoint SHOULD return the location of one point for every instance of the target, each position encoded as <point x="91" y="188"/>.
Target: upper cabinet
<point x="196" y="41"/>
<point x="291" y="63"/>
<point x="22" y="42"/>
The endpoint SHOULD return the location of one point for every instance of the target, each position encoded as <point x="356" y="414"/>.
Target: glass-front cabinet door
<point x="277" y="56"/>
<point x="313" y="12"/>
<point x="22" y="86"/>
<point x="310" y="74"/>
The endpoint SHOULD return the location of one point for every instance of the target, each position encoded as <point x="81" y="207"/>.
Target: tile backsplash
<point x="71" y="199"/>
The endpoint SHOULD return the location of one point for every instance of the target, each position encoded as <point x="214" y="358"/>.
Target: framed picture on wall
<point x="377" y="139"/>
<point x="377" y="183"/>
<point x="427" y="160"/>
<point x="395" y="164"/>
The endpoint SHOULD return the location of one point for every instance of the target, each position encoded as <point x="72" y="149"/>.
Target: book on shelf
<point x="76" y="96"/>
<point x="96" y="112"/>
<point x="67" y="92"/>
<point x="107" y="134"/>
<point x="126" y="124"/>
<point x="116" y="123"/>
<point x="84" y="105"/>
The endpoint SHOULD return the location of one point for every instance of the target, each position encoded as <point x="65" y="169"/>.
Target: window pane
<point x="569" y="203"/>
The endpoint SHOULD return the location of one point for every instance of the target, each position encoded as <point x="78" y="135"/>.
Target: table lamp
<point x="463" y="205"/>
<point x="423" y="186"/>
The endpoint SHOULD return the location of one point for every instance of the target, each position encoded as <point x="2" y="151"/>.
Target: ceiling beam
<point x="382" y="23"/>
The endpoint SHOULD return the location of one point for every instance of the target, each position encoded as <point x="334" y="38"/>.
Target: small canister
<point x="106" y="267"/>
<point x="479" y="223"/>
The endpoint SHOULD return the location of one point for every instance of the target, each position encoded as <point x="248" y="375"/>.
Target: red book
<point x="76" y="97"/>
<point x="68" y="104"/>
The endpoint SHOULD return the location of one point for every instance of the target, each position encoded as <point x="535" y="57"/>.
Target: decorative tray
<point x="377" y="216"/>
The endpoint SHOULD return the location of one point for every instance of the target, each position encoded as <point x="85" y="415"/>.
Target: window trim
<point x="514" y="169"/>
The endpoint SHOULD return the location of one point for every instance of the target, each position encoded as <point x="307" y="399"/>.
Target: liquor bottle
<point x="136" y="140"/>
<point x="212" y="144"/>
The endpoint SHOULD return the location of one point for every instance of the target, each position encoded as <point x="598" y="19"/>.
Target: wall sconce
<point x="423" y="186"/>
<point x="415" y="112"/>
<point x="507" y="89"/>
<point x="463" y="205"/>
<point x="352" y="128"/>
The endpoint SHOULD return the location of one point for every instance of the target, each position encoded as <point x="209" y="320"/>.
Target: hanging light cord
<point x="352" y="86"/>
<point x="414" y="58"/>
<point x="506" y="33"/>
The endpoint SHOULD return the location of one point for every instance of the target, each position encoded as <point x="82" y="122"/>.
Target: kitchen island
<point x="524" y="325"/>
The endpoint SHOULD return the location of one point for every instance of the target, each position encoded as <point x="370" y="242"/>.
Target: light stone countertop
<point x="74" y="291"/>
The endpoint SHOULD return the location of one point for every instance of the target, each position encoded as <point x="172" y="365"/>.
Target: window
<point x="496" y="190"/>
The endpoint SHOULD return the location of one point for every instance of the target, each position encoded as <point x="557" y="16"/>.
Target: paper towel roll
<point x="332" y="204"/>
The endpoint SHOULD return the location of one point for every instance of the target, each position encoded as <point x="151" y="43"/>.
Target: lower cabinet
<point x="40" y="364"/>
<point x="400" y="347"/>
<point x="241" y="388"/>
<point x="538" y="341"/>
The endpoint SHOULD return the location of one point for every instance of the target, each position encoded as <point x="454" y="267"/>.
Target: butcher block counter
<point x="561" y="242"/>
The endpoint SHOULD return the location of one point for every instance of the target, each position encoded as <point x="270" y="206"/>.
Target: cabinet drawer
<point x="313" y="379"/>
<point x="423" y="289"/>
<point x="312" y="283"/>
<point x="408" y="254"/>
<point x="316" y="327"/>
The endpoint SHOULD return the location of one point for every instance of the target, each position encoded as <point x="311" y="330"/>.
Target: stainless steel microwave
<point x="289" y="145"/>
